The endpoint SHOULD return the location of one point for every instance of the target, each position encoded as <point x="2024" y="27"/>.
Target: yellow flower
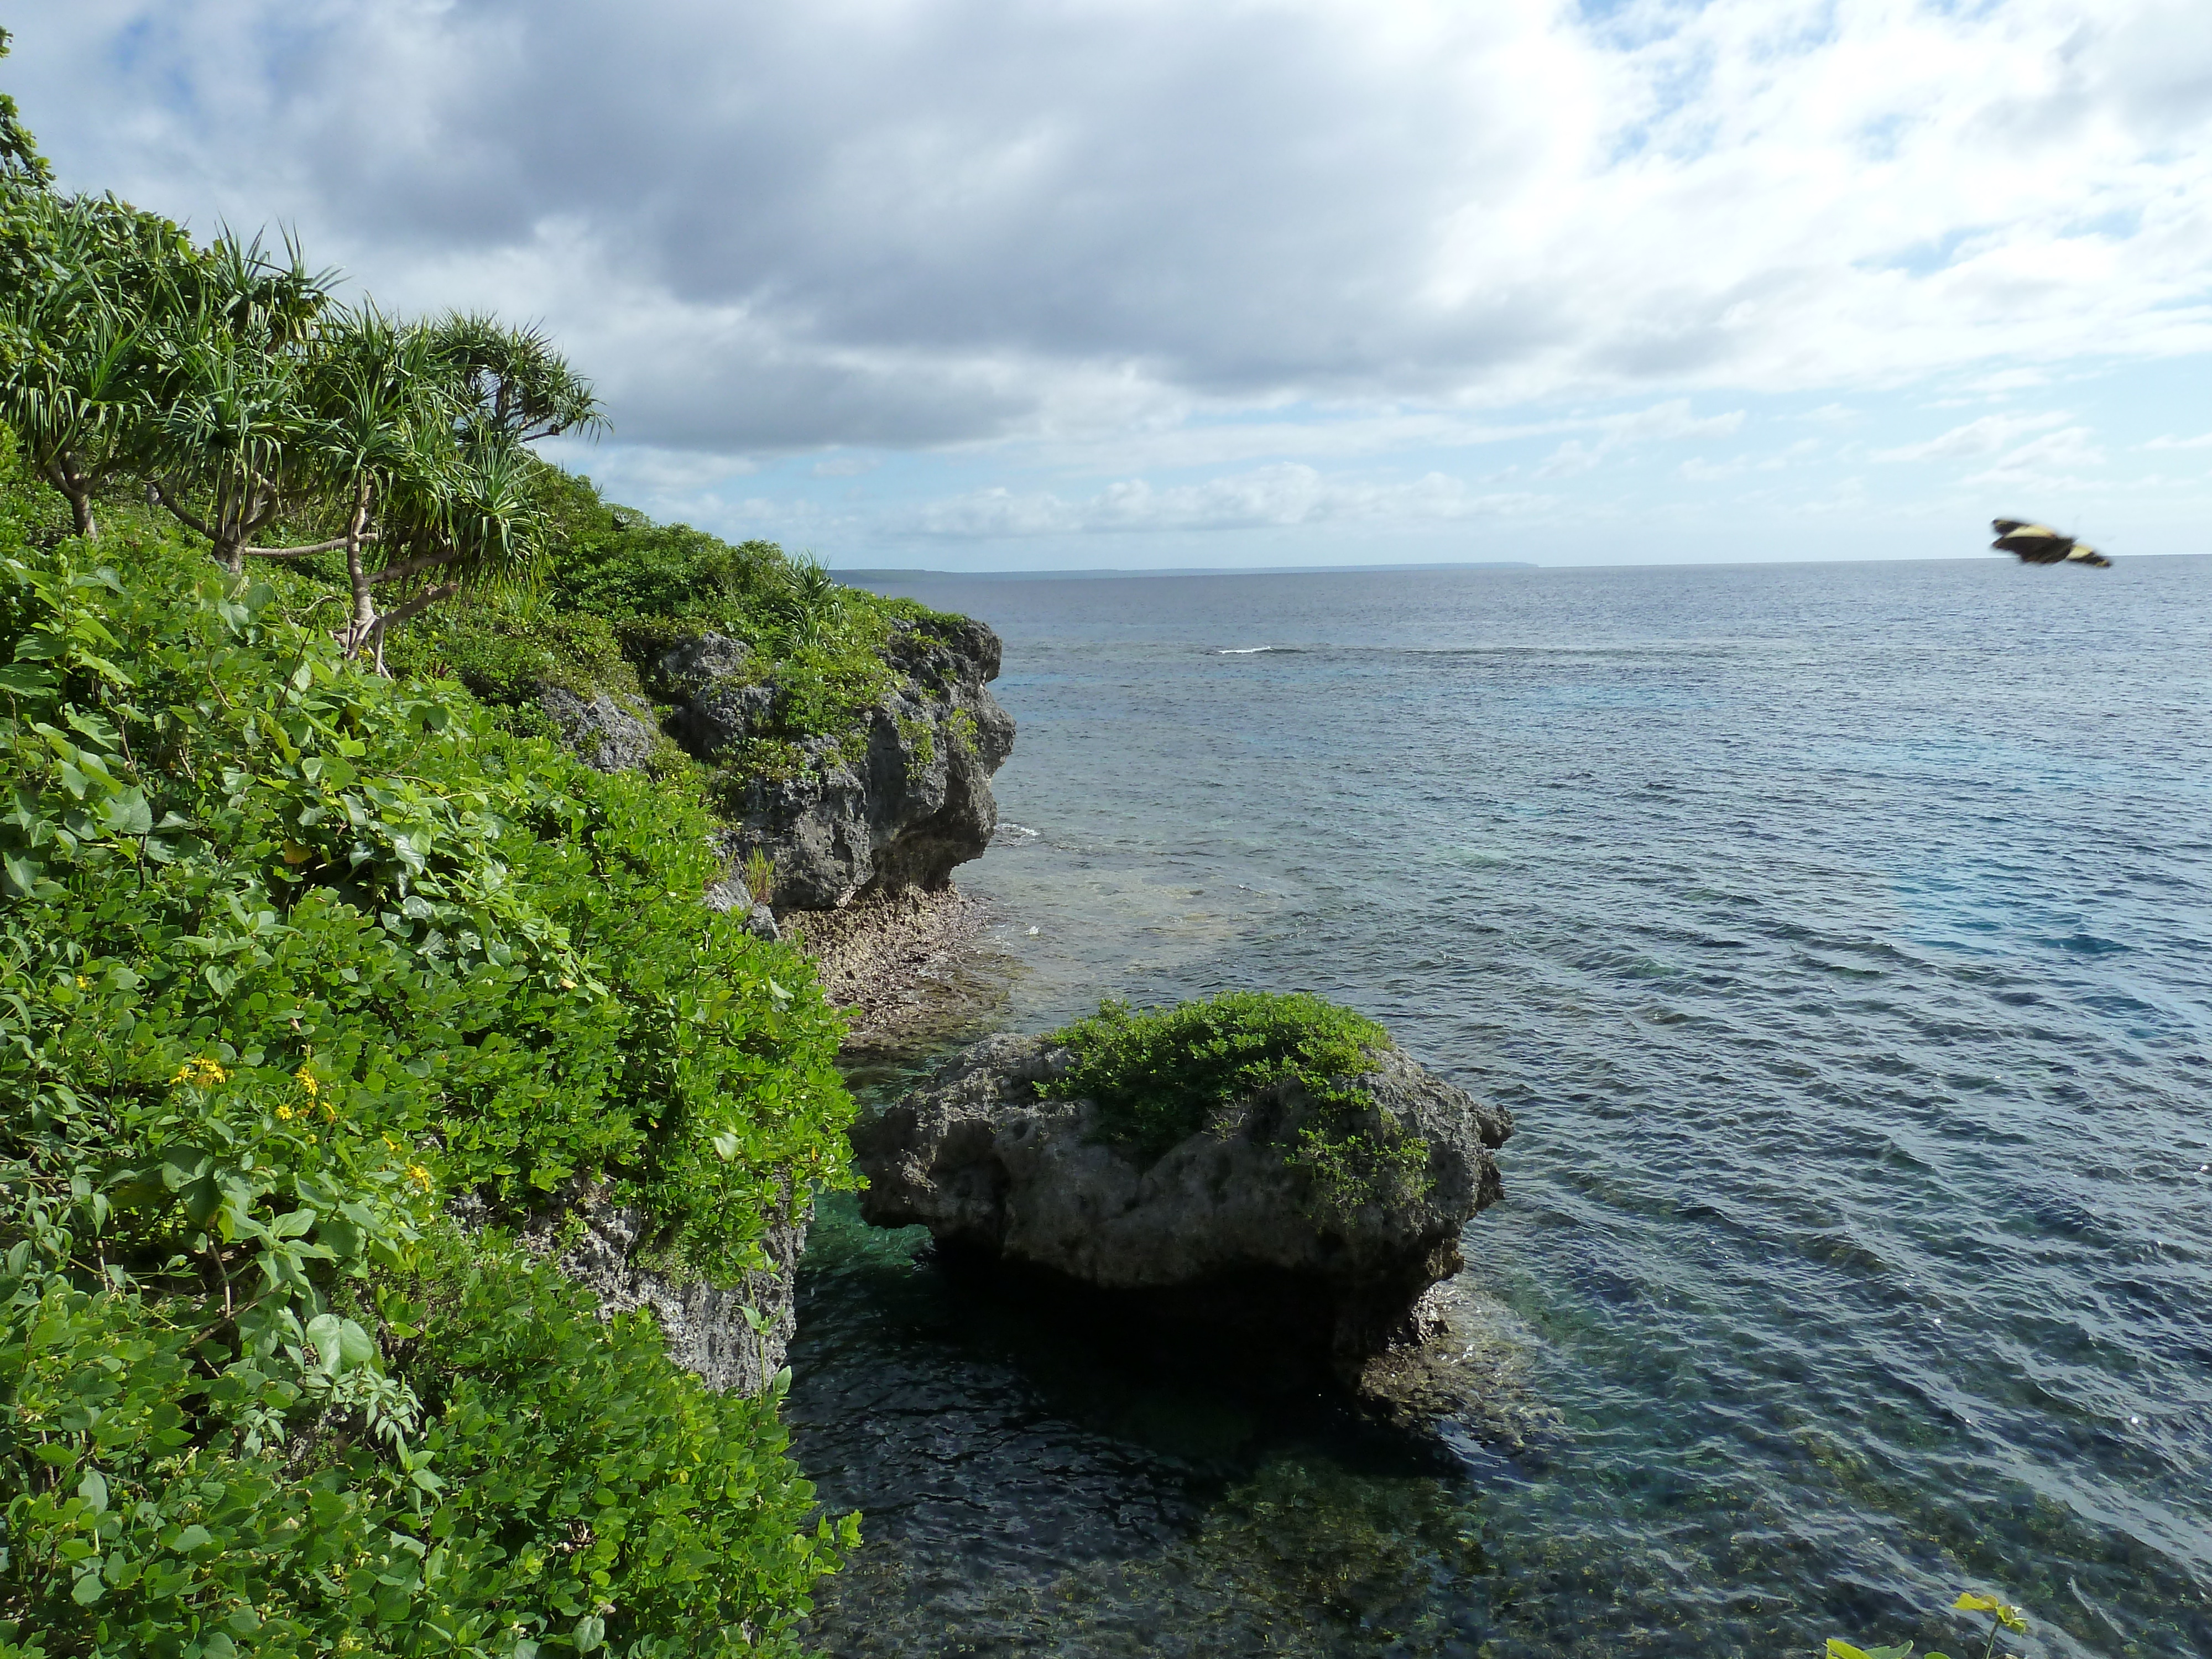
<point x="82" y="983"/>
<point x="419" y="1176"/>
<point x="306" y="1079"/>
<point x="201" y="1073"/>
<point x="285" y="1113"/>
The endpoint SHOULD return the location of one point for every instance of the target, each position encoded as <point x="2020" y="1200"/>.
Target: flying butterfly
<point x="2039" y="544"/>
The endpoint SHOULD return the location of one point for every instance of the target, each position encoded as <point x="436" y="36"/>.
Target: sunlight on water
<point x="1842" y="938"/>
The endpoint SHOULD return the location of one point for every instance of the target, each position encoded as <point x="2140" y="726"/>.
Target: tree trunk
<point x="77" y="488"/>
<point x="360" y="626"/>
<point x="414" y="607"/>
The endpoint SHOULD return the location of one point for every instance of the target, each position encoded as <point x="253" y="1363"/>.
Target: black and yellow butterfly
<point x="2039" y="544"/>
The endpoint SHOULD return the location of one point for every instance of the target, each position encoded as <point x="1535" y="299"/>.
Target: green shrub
<point x="1159" y="1075"/>
<point x="291" y="954"/>
<point x="620" y="591"/>
<point x="567" y="1489"/>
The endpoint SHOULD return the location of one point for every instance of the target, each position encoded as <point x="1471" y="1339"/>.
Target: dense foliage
<point x="1158" y="1075"/>
<point x="291" y="954"/>
<point x="622" y="591"/>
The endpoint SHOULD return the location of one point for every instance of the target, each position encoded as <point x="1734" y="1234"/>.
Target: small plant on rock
<point x="758" y="875"/>
<point x="1160" y="1075"/>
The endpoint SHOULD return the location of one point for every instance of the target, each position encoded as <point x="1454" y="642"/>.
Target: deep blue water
<point x="1841" y="936"/>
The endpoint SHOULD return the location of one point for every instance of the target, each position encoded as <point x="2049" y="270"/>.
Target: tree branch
<point x="335" y="542"/>
<point x="162" y="498"/>
<point x="418" y="605"/>
<point x="409" y="566"/>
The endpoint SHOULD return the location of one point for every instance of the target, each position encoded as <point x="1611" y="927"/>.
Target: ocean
<point x="1841" y="938"/>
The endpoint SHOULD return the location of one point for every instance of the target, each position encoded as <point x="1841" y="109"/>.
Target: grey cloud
<point x="915" y="222"/>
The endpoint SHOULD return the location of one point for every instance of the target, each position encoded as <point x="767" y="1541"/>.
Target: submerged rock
<point x="1243" y="1228"/>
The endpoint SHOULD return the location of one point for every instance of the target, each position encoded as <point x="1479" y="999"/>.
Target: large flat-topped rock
<point x="1312" y="1221"/>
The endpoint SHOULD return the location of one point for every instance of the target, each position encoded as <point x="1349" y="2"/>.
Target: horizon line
<point x="1110" y="571"/>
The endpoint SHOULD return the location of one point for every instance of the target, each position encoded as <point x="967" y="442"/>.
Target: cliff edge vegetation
<point x="291" y="955"/>
<point x="305" y="947"/>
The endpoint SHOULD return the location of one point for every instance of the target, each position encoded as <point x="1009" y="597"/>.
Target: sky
<point x="1179" y="283"/>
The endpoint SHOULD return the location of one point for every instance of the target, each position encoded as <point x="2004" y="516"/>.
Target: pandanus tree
<point x="229" y="446"/>
<point x="416" y="447"/>
<point x="512" y="383"/>
<point x="68" y="395"/>
<point x="479" y="528"/>
<point x="248" y="403"/>
<point x="84" y="284"/>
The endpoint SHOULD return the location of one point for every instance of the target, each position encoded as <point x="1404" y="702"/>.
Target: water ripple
<point x="1854" y="992"/>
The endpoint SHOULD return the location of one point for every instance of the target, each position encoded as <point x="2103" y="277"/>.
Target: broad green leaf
<point x="294" y="1224"/>
<point x="340" y="1344"/>
<point x="127" y="814"/>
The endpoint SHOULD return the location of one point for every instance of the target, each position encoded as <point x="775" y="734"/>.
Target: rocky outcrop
<point x="1240" y="1227"/>
<point x="716" y="709"/>
<point x="915" y="802"/>
<point x="602" y="731"/>
<point x="707" y="1330"/>
<point x="889" y="809"/>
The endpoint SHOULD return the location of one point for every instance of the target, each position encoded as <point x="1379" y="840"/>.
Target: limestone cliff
<point x="915" y="800"/>
<point x="888" y="810"/>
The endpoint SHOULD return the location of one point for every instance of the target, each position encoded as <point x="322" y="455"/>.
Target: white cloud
<point x="2203" y="440"/>
<point x="2054" y="456"/>
<point x="1271" y="497"/>
<point x="1986" y="437"/>
<point x="1664" y="423"/>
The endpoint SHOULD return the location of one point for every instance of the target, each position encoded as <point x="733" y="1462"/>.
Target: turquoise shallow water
<point x="1841" y="936"/>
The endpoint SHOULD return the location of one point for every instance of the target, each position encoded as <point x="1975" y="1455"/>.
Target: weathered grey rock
<point x="604" y="732"/>
<point x="916" y="803"/>
<point x="714" y="711"/>
<point x="718" y="718"/>
<point x="760" y="922"/>
<point x="1224" y="1228"/>
<point x="705" y="1324"/>
<point x="691" y="664"/>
